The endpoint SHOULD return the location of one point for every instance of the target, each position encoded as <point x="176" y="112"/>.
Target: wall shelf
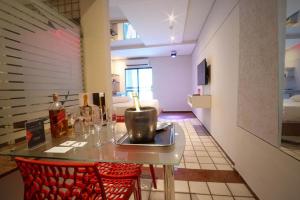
<point x="201" y="101"/>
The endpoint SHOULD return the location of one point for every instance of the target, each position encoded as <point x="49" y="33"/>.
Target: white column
<point x="96" y="47"/>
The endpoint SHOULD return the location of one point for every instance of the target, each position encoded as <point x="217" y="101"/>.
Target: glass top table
<point x="109" y="152"/>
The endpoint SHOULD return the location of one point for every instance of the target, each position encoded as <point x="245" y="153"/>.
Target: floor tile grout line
<point x="229" y="190"/>
<point x="208" y="188"/>
<point x="231" y="195"/>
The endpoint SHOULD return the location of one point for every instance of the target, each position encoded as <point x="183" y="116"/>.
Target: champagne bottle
<point x="86" y="111"/>
<point x="136" y="101"/>
<point x="57" y="116"/>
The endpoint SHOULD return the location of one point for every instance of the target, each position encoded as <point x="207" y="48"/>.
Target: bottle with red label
<point x="57" y="116"/>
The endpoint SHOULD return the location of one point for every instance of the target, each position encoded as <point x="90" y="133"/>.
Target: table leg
<point x="169" y="182"/>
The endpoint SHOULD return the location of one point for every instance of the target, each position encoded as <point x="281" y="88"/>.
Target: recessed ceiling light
<point x="171" y="17"/>
<point x="173" y="54"/>
<point x="172" y="38"/>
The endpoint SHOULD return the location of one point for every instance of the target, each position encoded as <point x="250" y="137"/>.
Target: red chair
<point x="122" y="170"/>
<point x="69" y="180"/>
<point x="120" y="118"/>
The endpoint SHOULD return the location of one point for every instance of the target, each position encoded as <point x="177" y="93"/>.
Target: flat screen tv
<point x="202" y="74"/>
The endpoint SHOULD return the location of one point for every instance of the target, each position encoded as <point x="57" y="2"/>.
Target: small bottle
<point x="86" y="111"/>
<point x="57" y="116"/>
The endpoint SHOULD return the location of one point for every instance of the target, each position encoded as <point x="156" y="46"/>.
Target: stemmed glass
<point x="112" y="120"/>
<point x="78" y="125"/>
<point x="98" y="123"/>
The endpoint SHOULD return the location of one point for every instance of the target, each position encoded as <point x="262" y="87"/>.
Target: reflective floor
<point x="205" y="172"/>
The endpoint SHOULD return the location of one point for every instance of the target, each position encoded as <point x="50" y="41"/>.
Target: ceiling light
<point x="172" y="38"/>
<point x="173" y="54"/>
<point x="171" y="17"/>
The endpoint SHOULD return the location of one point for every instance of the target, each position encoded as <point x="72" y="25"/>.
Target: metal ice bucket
<point x="141" y="125"/>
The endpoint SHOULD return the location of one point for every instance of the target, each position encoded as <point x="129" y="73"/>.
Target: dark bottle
<point x="57" y="116"/>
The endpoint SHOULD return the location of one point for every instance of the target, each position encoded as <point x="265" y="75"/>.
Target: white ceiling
<point x="149" y="18"/>
<point x="116" y="14"/>
<point x="196" y="16"/>
<point x="152" y="51"/>
<point x="124" y="44"/>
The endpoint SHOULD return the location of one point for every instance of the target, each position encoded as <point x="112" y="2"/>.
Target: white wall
<point x="271" y="174"/>
<point x="172" y="82"/>
<point x="118" y="67"/>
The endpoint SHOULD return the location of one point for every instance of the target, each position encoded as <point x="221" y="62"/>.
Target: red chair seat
<point x="116" y="170"/>
<point x="69" y="180"/>
<point x="118" y="188"/>
<point x="124" y="170"/>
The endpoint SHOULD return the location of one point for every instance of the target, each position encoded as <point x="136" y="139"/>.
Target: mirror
<point x="290" y="138"/>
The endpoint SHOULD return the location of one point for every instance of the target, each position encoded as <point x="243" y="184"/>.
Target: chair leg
<point x="139" y="192"/>
<point x="136" y="195"/>
<point x="153" y="176"/>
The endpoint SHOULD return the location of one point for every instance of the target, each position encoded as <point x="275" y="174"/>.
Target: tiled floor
<point x="202" y="154"/>
<point x="201" y="151"/>
<point x="194" y="190"/>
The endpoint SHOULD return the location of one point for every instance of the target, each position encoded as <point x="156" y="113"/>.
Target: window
<point x="129" y="32"/>
<point x="139" y="80"/>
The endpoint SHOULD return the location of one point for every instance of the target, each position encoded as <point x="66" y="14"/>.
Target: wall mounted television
<point x="202" y="73"/>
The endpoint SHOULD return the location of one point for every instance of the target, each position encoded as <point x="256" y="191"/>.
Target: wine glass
<point x="98" y="123"/>
<point x="111" y="123"/>
<point x="78" y="125"/>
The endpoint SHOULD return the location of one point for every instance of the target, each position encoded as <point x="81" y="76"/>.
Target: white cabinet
<point x="201" y="101"/>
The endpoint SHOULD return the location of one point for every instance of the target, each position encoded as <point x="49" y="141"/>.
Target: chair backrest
<point x="60" y="180"/>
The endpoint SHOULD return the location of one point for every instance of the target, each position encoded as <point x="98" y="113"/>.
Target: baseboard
<point x="176" y="112"/>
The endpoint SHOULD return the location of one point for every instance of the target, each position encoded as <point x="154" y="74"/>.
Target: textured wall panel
<point x="258" y="69"/>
